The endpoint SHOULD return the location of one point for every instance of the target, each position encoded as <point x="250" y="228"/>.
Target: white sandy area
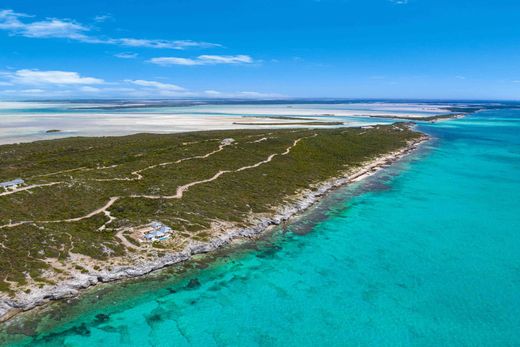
<point x="27" y="128"/>
<point x="16" y="126"/>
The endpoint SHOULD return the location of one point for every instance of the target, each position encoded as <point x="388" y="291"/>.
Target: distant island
<point x="78" y="211"/>
<point x="310" y="123"/>
<point x="423" y="119"/>
<point x="53" y="131"/>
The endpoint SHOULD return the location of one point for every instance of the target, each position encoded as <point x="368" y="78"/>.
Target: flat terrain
<point x="84" y="197"/>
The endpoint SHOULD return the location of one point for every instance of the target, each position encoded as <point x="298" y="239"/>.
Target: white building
<point x="12" y="184"/>
<point x="227" y="142"/>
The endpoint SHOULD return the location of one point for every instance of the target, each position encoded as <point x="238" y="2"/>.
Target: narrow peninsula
<point x="78" y="211"/>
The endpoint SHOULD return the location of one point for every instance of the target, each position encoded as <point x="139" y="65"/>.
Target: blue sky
<point x="260" y="49"/>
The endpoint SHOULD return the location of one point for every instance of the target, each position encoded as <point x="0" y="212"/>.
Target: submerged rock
<point x="101" y="318"/>
<point x="193" y="283"/>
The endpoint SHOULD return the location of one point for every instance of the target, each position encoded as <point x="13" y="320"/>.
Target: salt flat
<point x="30" y="121"/>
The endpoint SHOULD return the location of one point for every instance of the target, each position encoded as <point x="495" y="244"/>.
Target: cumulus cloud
<point x="18" y="24"/>
<point x="203" y="60"/>
<point x="27" y="76"/>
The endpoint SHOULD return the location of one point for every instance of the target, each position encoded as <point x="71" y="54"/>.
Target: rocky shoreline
<point x="9" y="307"/>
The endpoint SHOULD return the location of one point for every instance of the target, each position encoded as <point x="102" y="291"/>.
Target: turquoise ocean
<point x="424" y="253"/>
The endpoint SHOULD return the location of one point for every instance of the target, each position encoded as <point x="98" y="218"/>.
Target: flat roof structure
<point x="12" y="183"/>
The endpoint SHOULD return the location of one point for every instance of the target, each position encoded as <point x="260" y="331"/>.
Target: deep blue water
<point x="425" y="253"/>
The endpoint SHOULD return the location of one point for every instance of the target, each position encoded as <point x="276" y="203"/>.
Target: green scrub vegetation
<point x="69" y="179"/>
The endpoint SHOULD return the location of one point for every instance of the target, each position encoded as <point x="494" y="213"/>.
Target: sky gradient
<point x="429" y="49"/>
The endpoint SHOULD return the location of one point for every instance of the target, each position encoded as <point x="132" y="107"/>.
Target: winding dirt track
<point x="180" y="190"/>
<point x="138" y="175"/>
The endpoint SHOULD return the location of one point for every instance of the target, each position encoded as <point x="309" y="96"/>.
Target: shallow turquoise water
<point x="425" y="253"/>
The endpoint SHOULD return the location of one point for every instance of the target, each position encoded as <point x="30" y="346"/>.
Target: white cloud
<point x="203" y="60"/>
<point x="61" y="84"/>
<point x="102" y="18"/>
<point x="64" y="28"/>
<point x="126" y="55"/>
<point x="9" y="20"/>
<point x="152" y="89"/>
<point x="226" y="59"/>
<point x="52" y="27"/>
<point x="27" y="76"/>
<point x="156" y="85"/>
<point x="165" y="61"/>
<point x="179" y="44"/>
<point x="399" y="2"/>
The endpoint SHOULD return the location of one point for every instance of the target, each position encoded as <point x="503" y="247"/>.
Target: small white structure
<point x="227" y="142"/>
<point x="12" y="184"/>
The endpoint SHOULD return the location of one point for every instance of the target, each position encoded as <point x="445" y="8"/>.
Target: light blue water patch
<point x="425" y="253"/>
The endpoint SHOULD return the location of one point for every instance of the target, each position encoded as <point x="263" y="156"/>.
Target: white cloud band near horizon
<point x="13" y="22"/>
<point x="45" y="84"/>
<point x="37" y="77"/>
<point x="203" y="60"/>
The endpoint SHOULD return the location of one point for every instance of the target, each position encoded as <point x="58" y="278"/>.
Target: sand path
<point x="179" y="193"/>
<point x="184" y="188"/>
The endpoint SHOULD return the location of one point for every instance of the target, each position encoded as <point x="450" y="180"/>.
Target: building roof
<point x="164" y="229"/>
<point x="159" y="230"/>
<point x="12" y="183"/>
<point x="227" y="141"/>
